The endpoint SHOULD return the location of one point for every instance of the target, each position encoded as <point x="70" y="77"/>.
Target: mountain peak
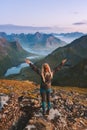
<point x="38" y="35"/>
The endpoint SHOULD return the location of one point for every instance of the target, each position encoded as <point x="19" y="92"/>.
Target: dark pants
<point x="45" y="95"/>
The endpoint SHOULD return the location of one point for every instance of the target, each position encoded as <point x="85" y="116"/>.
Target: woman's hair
<point x="45" y="67"/>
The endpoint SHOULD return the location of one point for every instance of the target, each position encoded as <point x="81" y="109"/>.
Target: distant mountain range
<point x="35" y="41"/>
<point x="69" y="37"/>
<point x="74" y="73"/>
<point x="72" y="34"/>
<point x="11" y="53"/>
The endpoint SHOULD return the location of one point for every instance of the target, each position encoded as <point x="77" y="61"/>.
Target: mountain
<point x="47" y="41"/>
<point x="11" y="53"/>
<point x="74" y="73"/>
<point x="36" y="41"/>
<point x="72" y="34"/>
<point x="69" y="37"/>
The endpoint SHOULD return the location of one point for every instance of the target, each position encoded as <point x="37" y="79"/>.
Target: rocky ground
<point x="23" y="110"/>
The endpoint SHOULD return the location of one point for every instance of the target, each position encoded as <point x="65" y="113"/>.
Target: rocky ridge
<point x="23" y="112"/>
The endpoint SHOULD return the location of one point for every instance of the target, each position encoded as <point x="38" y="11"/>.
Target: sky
<point x="60" y="15"/>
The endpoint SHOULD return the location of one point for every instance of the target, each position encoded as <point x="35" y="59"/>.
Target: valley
<point x="73" y="73"/>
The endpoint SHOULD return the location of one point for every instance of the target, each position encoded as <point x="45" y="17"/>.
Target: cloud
<point x="80" y="23"/>
<point x="76" y="12"/>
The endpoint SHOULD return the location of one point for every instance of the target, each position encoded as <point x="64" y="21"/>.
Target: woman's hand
<point x="63" y="61"/>
<point x="27" y="61"/>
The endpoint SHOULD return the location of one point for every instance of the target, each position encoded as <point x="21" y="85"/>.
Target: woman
<point x="46" y="75"/>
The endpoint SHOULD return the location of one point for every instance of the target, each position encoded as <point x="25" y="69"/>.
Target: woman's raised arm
<point x="57" y="68"/>
<point x="33" y="66"/>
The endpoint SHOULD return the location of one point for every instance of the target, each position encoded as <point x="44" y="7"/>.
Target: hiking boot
<point x="47" y="112"/>
<point x="44" y="112"/>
